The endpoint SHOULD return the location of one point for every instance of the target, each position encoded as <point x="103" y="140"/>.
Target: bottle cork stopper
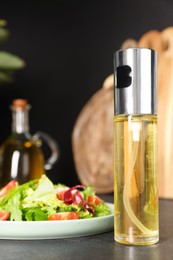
<point x="19" y="104"/>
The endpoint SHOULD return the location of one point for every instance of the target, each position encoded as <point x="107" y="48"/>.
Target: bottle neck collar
<point x="20" y="120"/>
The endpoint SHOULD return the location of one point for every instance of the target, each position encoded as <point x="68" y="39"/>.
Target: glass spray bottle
<point x="135" y="147"/>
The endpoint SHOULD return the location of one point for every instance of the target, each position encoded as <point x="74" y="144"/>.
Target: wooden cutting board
<point x="92" y="137"/>
<point x="163" y="43"/>
<point x="93" y="142"/>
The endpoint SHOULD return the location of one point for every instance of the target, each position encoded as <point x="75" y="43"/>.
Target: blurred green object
<point x="9" y="62"/>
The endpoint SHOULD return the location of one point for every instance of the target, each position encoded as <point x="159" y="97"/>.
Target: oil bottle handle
<point x="52" y="144"/>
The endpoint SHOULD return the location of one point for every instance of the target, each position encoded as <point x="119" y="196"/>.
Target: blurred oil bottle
<point x="21" y="155"/>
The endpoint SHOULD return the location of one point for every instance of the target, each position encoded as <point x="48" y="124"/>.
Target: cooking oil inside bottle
<point x="135" y="172"/>
<point x="21" y="159"/>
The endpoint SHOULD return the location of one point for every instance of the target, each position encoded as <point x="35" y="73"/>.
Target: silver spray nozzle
<point x="135" y="78"/>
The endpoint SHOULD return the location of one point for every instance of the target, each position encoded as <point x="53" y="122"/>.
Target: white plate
<point x="29" y="230"/>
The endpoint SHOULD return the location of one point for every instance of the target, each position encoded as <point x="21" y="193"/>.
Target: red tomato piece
<point x="94" y="199"/>
<point x="4" y="215"/>
<point x="60" y="192"/>
<point x="8" y="187"/>
<point x="64" y="216"/>
<point x="74" y="215"/>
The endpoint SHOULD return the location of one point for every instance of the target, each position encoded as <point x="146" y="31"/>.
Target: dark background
<point x="68" y="47"/>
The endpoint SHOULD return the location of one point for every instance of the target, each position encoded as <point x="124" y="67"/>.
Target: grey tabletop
<point x="98" y="247"/>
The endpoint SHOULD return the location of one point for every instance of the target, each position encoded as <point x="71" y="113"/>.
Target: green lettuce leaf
<point x="88" y="191"/>
<point x="36" y="214"/>
<point x="44" y="194"/>
<point x="102" y="210"/>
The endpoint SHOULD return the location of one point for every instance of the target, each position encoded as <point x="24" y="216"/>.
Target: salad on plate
<point x="40" y="199"/>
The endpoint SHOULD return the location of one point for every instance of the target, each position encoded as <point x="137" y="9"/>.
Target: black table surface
<point x="101" y="246"/>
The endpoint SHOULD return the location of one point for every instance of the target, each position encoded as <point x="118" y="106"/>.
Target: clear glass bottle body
<point x="135" y="179"/>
